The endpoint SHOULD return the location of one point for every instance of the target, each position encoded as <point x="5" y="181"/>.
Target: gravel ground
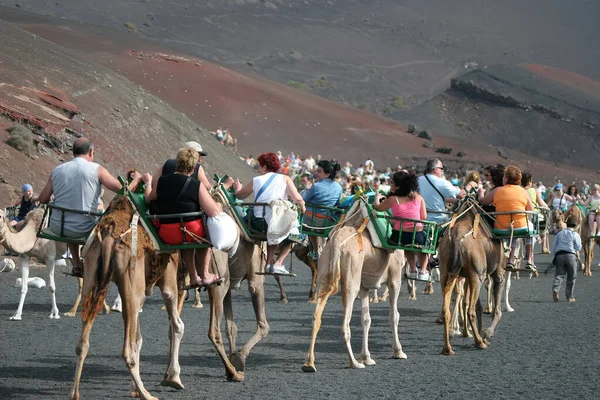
<point x="542" y="350"/>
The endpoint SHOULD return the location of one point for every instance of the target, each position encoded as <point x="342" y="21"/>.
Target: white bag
<point x="223" y="231"/>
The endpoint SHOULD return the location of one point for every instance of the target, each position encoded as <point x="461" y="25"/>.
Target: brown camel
<point x="110" y="258"/>
<point x="466" y="250"/>
<point x="350" y="256"/>
<point x="583" y="229"/>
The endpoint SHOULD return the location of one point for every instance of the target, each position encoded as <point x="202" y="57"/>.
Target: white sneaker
<point x="413" y="274"/>
<point x="424" y="276"/>
<point x="279" y="269"/>
<point x="269" y="269"/>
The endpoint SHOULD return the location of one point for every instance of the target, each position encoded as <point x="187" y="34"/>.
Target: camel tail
<point x="454" y="259"/>
<point x="333" y="271"/>
<point x="95" y="301"/>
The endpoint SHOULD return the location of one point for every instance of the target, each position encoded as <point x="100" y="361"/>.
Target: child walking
<point x="566" y="244"/>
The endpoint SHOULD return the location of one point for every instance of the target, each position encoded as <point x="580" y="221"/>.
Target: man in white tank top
<point x="76" y="185"/>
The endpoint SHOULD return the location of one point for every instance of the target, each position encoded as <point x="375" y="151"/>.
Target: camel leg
<point x="365" y="355"/>
<point x="88" y="316"/>
<point x="309" y="366"/>
<point x="410" y="285"/>
<point x="283" y="296"/>
<point x="215" y="296"/>
<point x="313" y="285"/>
<point x="230" y="323"/>
<point x="73" y="311"/>
<point x="170" y="296"/>
<point x="488" y="298"/>
<point x="464" y="311"/>
<point x="375" y="298"/>
<point x="458" y="295"/>
<point x="197" y="299"/>
<point x="349" y="293"/>
<point x="475" y="309"/>
<point x="385" y="295"/>
<point x="257" y="293"/>
<point x="50" y="260"/>
<point x="589" y="257"/>
<point x="499" y="282"/>
<point x="24" y="265"/>
<point x="448" y="283"/>
<point x="393" y="288"/>
<point x="507" y="284"/>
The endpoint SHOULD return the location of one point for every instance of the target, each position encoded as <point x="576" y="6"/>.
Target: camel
<point x="587" y="243"/>
<point x="26" y="244"/>
<point x="350" y="256"/>
<point x="110" y="258"/>
<point x="467" y="251"/>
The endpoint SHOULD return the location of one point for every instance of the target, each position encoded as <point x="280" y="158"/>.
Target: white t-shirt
<point x="433" y="200"/>
<point x="277" y="189"/>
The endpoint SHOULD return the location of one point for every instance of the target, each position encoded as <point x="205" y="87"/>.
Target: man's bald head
<point x="81" y="146"/>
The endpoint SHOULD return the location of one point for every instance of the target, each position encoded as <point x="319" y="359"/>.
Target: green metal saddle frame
<point x="532" y="229"/>
<point x="383" y="223"/>
<point x="44" y="231"/>
<point x="147" y="220"/>
<point x="329" y="216"/>
<point x="245" y="215"/>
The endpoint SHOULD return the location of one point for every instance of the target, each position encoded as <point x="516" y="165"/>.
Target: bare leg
<point x="284" y="250"/>
<point x="77" y="265"/>
<point x="203" y="260"/>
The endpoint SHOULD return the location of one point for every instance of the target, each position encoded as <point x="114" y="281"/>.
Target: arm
<point x="112" y="184"/>
<point x="158" y="174"/>
<point x="529" y="206"/>
<point x="293" y="192"/>
<point x="577" y="242"/>
<point x="383" y="206"/>
<point x="203" y="179"/>
<point x="423" y="208"/>
<point x="309" y="194"/>
<point x="488" y="198"/>
<point x="242" y="192"/>
<point x="570" y="198"/>
<point x="150" y="189"/>
<point x="210" y="207"/>
<point x="46" y="192"/>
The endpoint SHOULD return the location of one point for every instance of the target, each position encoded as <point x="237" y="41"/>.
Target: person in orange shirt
<point x="512" y="197"/>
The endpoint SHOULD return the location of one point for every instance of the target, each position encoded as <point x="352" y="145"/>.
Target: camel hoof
<point x="237" y="377"/>
<point x="448" y="352"/>
<point x="400" y="355"/>
<point x="70" y="314"/>
<point x="199" y="305"/>
<point x="455" y="332"/>
<point x="487" y="333"/>
<point x="357" y="365"/>
<point x="383" y="298"/>
<point x="312" y="301"/>
<point x="134" y="394"/>
<point x="54" y="316"/>
<point x="175" y="383"/>
<point x="439" y="321"/>
<point x="309" y="368"/>
<point x="481" y="346"/>
<point x="367" y="361"/>
<point x="412" y="297"/>
<point x="15" y="317"/>
<point x="509" y="309"/>
<point x="117" y="309"/>
<point x="105" y="311"/>
<point x="238" y="362"/>
<point x="284" y="300"/>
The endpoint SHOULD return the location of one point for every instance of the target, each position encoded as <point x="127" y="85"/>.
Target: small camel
<point x="350" y="256"/>
<point x="26" y="244"/>
<point x="466" y="251"/>
<point x="587" y="243"/>
<point x="110" y="258"/>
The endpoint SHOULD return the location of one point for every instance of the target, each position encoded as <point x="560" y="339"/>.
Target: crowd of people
<point x="180" y="184"/>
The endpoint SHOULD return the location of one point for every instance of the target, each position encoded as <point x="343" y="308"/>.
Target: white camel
<point x="351" y="257"/>
<point x="26" y="244"/>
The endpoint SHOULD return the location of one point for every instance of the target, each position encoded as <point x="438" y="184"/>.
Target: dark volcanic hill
<point x="61" y="95"/>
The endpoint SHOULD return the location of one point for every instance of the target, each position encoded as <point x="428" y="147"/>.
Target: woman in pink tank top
<point x="406" y="202"/>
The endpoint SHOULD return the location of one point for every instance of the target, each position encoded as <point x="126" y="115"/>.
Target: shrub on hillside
<point x="131" y="26"/>
<point x="21" y="139"/>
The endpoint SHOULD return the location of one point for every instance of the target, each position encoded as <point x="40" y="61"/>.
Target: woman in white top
<point x="268" y="186"/>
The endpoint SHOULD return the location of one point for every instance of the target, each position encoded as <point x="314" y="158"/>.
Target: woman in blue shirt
<point x="324" y="192"/>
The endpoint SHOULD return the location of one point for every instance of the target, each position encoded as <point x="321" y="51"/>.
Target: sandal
<point x="531" y="267"/>
<point x="510" y="267"/>
<point x="76" y="272"/>
<point x="217" y="280"/>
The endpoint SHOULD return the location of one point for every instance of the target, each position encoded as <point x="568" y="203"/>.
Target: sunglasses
<point x="442" y="168"/>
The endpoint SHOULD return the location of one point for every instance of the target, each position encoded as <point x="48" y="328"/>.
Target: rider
<point x="76" y="185"/>
<point x="169" y="166"/>
<point x="406" y="202"/>
<point x="268" y="186"/>
<point x="512" y="198"/>
<point x="27" y="204"/>
<point x="538" y="202"/>
<point x="324" y="192"/>
<point x="593" y="202"/>
<point x="179" y="192"/>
